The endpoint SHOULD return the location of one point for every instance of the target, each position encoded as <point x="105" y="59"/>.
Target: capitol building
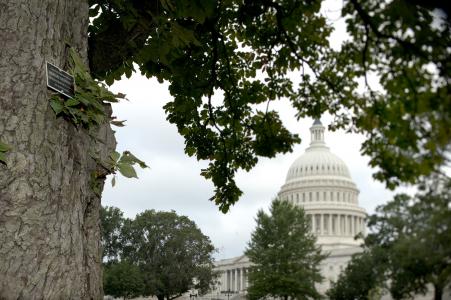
<point x="320" y="182"/>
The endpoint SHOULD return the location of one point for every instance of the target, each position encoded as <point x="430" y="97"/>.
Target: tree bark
<point x="160" y="297"/>
<point x="438" y="292"/>
<point x="49" y="215"/>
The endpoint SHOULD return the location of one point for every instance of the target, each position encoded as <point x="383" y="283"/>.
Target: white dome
<point x="317" y="162"/>
<point x="320" y="182"/>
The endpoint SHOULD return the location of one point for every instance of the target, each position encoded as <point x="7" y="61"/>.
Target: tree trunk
<point x="49" y="215"/>
<point x="438" y="292"/>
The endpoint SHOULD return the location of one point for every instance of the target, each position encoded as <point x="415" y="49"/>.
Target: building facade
<point x="320" y="182"/>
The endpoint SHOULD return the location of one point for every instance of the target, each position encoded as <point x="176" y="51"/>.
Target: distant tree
<point x="361" y="279"/>
<point x="112" y="221"/>
<point x="122" y="279"/>
<point x="407" y="249"/>
<point x="284" y="255"/>
<point x="171" y="252"/>
<point x="415" y="234"/>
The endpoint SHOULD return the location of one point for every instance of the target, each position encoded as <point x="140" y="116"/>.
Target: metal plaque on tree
<point x="60" y="81"/>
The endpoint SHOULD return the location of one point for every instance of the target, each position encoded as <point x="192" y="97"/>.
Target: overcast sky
<point x="173" y="181"/>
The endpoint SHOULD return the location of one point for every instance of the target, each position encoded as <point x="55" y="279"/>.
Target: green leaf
<point x="115" y="156"/>
<point x="56" y="105"/>
<point x="72" y="102"/>
<point x="2" y="158"/>
<point x="129" y="158"/>
<point x="118" y="123"/>
<point x="127" y="170"/>
<point x="113" y="181"/>
<point x="4" y="147"/>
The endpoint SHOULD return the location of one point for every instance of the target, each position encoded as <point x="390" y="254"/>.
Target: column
<point x="331" y="219"/>
<point x="352" y="226"/>
<point x="343" y="228"/>
<point x="232" y="281"/>
<point x="224" y="281"/>
<point x="312" y="217"/>
<point x="356" y="225"/>
<point x="238" y="280"/>
<point x="322" y="224"/>
<point x="346" y="225"/>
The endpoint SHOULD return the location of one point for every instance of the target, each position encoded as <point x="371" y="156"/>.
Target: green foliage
<point x="111" y="221"/>
<point x="245" y="53"/>
<point x="3" y="149"/>
<point x="407" y="249"/>
<point x="171" y="253"/>
<point x="362" y="279"/>
<point x="86" y="108"/>
<point x="122" y="279"/>
<point x="124" y="164"/>
<point x="284" y="255"/>
<point x="405" y="44"/>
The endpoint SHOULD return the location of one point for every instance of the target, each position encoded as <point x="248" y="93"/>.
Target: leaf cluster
<point x="124" y="164"/>
<point x="284" y="255"/>
<point x="3" y="149"/>
<point x="87" y="107"/>
<point x="172" y="254"/>
<point x="407" y="249"/>
<point x="122" y="279"/>
<point x="407" y="118"/>
<point x="112" y="221"/>
<point x="248" y="54"/>
<point x="362" y="279"/>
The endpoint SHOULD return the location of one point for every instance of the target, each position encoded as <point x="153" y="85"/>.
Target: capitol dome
<point x="321" y="183"/>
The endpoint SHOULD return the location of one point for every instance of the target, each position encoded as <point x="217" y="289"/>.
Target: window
<point x="317" y="196"/>
<point x="310" y="196"/>
<point x="303" y="197"/>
